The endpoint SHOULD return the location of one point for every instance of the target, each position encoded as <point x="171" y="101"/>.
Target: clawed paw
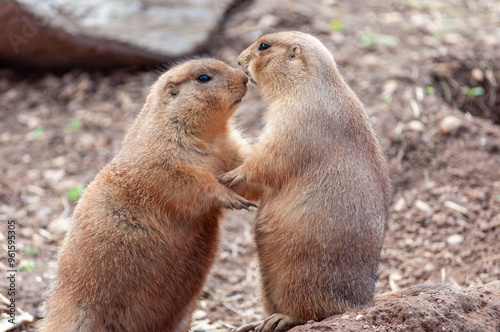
<point x="231" y="179"/>
<point x="235" y="202"/>
<point x="274" y="323"/>
<point x="248" y="327"/>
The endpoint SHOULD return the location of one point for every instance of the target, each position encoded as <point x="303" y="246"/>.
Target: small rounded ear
<point x="172" y="89"/>
<point x="295" y="51"/>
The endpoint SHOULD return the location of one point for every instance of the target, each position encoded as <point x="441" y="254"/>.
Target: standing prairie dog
<point x="323" y="213"/>
<point x="145" y="233"/>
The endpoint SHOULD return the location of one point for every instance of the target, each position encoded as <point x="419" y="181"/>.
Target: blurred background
<point x="74" y="74"/>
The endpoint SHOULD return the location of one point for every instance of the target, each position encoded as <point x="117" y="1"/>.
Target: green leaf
<point x="28" y="266"/>
<point x="430" y="89"/>
<point x="35" y="133"/>
<point x="336" y="25"/>
<point x="472" y="93"/>
<point x="477" y="91"/>
<point x="437" y="36"/>
<point x="465" y="90"/>
<point x="32" y="251"/>
<point x="76" y="192"/>
<point x="368" y="40"/>
<point x="388" y="41"/>
<point x="73" y="125"/>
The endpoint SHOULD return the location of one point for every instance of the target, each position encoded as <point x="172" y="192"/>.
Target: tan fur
<point x="413" y="290"/>
<point x="145" y="233"/>
<point x="322" y="217"/>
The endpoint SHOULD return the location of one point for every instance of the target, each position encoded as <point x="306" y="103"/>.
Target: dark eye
<point x="264" y="46"/>
<point x="203" y="78"/>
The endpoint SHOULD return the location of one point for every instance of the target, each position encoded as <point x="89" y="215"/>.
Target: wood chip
<point x="456" y="207"/>
<point x="449" y="124"/>
<point x="423" y="206"/>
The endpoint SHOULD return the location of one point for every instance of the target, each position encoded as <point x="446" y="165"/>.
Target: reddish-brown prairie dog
<point x="323" y="213"/>
<point x="146" y="230"/>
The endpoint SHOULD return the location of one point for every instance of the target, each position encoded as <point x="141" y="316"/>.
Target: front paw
<point x="233" y="201"/>
<point x="232" y="178"/>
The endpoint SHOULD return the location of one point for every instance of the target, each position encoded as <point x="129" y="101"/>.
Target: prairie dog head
<point x="199" y="95"/>
<point x="282" y="62"/>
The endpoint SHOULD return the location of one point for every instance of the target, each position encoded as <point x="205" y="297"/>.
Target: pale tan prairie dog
<point x="413" y="290"/>
<point x="322" y="216"/>
<point x="145" y="233"/>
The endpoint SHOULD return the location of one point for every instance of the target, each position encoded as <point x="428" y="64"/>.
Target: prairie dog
<point x="413" y="290"/>
<point x="146" y="230"/>
<point x="323" y="213"/>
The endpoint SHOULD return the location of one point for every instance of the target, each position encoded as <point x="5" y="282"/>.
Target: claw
<point x="237" y="203"/>
<point x="233" y="182"/>
<point x="225" y="180"/>
<point x="247" y="203"/>
<point x="230" y="180"/>
<point x="274" y="323"/>
<point x="248" y="327"/>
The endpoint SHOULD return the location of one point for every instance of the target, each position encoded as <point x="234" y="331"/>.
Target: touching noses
<point x="245" y="78"/>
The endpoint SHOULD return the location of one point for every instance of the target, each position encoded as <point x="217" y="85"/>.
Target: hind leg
<point x="72" y="318"/>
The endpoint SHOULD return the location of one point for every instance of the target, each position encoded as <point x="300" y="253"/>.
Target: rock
<point x="399" y="205"/>
<point x="199" y="314"/>
<point x="389" y="87"/>
<point x="477" y="74"/>
<point x="452" y="38"/>
<point x="455" y="309"/>
<point x="268" y="21"/>
<point x="55" y="33"/>
<point x="59" y="227"/>
<point x="456" y="207"/>
<point x="449" y="124"/>
<point x="53" y="175"/>
<point x="269" y="16"/>
<point x="416" y="125"/>
<point x="423" y="206"/>
<point x="455" y="239"/>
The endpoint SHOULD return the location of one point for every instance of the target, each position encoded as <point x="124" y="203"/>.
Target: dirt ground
<point x="428" y="73"/>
